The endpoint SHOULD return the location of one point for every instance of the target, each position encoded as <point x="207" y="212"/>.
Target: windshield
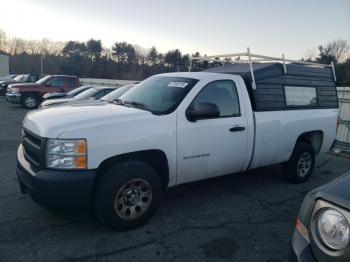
<point x="159" y="94"/>
<point x="117" y="93"/>
<point x="87" y="93"/>
<point x="42" y="80"/>
<point x="20" y="77"/>
<point x="77" y="91"/>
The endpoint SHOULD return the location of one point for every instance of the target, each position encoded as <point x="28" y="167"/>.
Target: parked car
<point x="109" y="98"/>
<point x="7" y="77"/>
<point x="93" y="93"/>
<point x="27" y="78"/>
<point x="115" y="94"/>
<point x="176" y="128"/>
<point x="30" y="95"/>
<point x="322" y="231"/>
<point x="70" y="94"/>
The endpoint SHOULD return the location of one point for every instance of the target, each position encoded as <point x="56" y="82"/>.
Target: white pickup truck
<point x="176" y="128"/>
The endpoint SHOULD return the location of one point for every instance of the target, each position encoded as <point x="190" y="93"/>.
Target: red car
<point x="30" y="95"/>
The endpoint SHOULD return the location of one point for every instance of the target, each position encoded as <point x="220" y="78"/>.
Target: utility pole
<point x="41" y="65"/>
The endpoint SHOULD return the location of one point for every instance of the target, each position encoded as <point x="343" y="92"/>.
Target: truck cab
<point x="173" y="128"/>
<point x="30" y="95"/>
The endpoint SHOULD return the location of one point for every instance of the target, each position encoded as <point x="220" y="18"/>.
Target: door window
<point x="71" y="82"/>
<point x="223" y="94"/>
<point x="56" y="82"/>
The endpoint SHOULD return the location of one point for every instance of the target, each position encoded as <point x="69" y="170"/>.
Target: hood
<point x="84" y="102"/>
<point x="9" y="82"/>
<point x="337" y="191"/>
<point x="51" y="122"/>
<point x="56" y="102"/>
<point x="23" y="85"/>
<point x="53" y="95"/>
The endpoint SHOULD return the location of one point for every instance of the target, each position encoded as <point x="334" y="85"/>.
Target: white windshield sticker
<point x="178" y="84"/>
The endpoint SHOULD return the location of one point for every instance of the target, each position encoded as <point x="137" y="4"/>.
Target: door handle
<point x="237" y="128"/>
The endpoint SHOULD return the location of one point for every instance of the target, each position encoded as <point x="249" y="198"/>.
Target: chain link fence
<point x="105" y="82"/>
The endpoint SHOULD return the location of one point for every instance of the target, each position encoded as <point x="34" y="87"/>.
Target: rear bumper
<point x="301" y="250"/>
<point x="60" y="190"/>
<point x="13" y="98"/>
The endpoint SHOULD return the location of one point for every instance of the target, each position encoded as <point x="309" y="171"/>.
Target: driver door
<point x="55" y="84"/>
<point x="214" y="146"/>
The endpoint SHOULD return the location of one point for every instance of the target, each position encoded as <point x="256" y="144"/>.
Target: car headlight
<point x="14" y="90"/>
<point x="66" y="154"/>
<point x="333" y="229"/>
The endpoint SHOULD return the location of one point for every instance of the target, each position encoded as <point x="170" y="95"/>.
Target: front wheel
<point x="30" y="101"/>
<point x="301" y="164"/>
<point x="127" y="195"/>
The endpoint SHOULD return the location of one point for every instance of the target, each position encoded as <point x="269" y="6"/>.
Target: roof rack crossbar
<point x="260" y="58"/>
<point x="284" y="64"/>
<point x="251" y="69"/>
<point x="255" y="58"/>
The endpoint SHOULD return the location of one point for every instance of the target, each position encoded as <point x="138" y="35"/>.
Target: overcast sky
<point x="270" y="27"/>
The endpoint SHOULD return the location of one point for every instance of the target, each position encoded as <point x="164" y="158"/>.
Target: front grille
<point x="33" y="148"/>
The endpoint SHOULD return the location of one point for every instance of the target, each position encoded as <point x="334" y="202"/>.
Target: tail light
<point x="338" y="122"/>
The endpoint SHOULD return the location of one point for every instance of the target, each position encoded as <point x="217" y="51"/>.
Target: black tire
<point x="113" y="182"/>
<point x="297" y="170"/>
<point x="30" y="101"/>
<point x="3" y="90"/>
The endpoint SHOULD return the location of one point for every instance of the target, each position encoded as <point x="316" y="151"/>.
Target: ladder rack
<point x="238" y="58"/>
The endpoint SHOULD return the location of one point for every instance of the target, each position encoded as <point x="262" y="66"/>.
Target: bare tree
<point x="33" y="47"/>
<point x="3" y="40"/>
<point x="310" y="55"/>
<point x="16" y="45"/>
<point x="338" y="49"/>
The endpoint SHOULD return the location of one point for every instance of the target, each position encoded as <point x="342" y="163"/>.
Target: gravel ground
<point x="242" y="217"/>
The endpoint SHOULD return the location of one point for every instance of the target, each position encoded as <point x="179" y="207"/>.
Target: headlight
<point x="333" y="229"/>
<point x="66" y="154"/>
<point x="14" y="90"/>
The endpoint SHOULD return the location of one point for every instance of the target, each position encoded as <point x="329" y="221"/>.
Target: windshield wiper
<point x="118" y="102"/>
<point x="132" y="103"/>
<point x="137" y="105"/>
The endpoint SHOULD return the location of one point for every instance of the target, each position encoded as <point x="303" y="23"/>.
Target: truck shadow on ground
<point x="219" y="218"/>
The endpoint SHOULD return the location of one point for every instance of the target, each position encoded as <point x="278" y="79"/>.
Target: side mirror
<point x="202" y="111"/>
<point x="48" y="84"/>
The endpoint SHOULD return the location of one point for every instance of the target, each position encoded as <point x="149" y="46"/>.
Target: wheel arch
<point x="154" y="157"/>
<point x="314" y="138"/>
<point x="24" y="94"/>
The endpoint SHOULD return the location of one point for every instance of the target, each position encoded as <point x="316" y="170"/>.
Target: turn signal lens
<point x="81" y="147"/>
<point x="302" y="229"/>
<point x="80" y="161"/>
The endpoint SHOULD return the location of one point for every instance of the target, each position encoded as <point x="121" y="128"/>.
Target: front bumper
<point x="301" y="249"/>
<point x="13" y="98"/>
<point x="56" y="189"/>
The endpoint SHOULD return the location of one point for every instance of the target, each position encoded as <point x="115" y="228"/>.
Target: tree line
<point x="338" y="52"/>
<point x="126" y="61"/>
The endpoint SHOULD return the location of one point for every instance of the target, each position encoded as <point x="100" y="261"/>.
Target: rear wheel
<point x="127" y="195"/>
<point x="30" y="101"/>
<point x="301" y="164"/>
